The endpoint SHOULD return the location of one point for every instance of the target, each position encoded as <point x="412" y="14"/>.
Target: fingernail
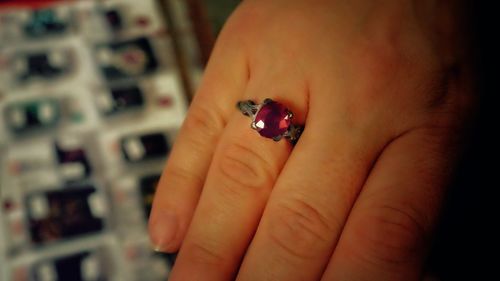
<point x="162" y="230"/>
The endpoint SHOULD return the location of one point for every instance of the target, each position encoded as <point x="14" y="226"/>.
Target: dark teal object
<point x="43" y="23"/>
<point x="32" y="112"/>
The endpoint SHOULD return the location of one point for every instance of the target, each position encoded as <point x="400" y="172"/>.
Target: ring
<point x="271" y="120"/>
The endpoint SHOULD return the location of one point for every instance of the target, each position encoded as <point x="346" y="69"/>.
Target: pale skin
<point x="381" y="88"/>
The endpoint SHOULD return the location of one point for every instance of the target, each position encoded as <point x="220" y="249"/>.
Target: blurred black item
<point x="114" y="19"/>
<point x="22" y="117"/>
<point x="68" y="214"/>
<point x="138" y="148"/>
<point x="44" y="22"/>
<point x="69" y="268"/>
<point x="125" y="98"/>
<point x="147" y="185"/>
<point x="40" y="65"/>
<point x="127" y="59"/>
<point x="168" y="258"/>
<point x="72" y="157"/>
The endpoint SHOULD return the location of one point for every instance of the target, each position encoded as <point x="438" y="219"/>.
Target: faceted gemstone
<point x="272" y="120"/>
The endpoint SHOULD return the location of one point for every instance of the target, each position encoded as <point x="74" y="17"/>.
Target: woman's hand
<point x="380" y="88"/>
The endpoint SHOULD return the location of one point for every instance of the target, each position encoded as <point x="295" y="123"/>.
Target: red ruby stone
<point x="272" y="120"/>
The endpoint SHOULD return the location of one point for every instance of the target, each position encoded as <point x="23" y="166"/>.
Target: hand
<point x="382" y="89"/>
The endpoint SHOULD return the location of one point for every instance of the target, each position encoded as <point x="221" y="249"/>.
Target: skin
<point x="381" y="88"/>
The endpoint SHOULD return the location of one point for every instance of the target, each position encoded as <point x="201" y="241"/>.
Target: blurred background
<point x="92" y="94"/>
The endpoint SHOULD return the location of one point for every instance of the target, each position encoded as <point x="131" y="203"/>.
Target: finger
<point x="242" y="174"/>
<point x="180" y="185"/>
<point x="311" y="199"/>
<point x="388" y="230"/>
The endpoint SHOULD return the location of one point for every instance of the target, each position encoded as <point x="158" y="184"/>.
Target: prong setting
<point x="268" y="100"/>
<point x="273" y="119"/>
<point x="293" y="133"/>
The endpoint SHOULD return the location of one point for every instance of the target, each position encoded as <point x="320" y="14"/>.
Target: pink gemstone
<point x="272" y="120"/>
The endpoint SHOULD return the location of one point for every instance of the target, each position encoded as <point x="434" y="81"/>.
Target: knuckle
<point x="390" y="235"/>
<point x="381" y="60"/>
<point x="201" y="253"/>
<point x="203" y="123"/>
<point x="179" y="177"/>
<point x="300" y="230"/>
<point x="241" y="165"/>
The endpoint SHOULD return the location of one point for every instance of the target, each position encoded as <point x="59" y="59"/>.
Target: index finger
<point x="184" y="175"/>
